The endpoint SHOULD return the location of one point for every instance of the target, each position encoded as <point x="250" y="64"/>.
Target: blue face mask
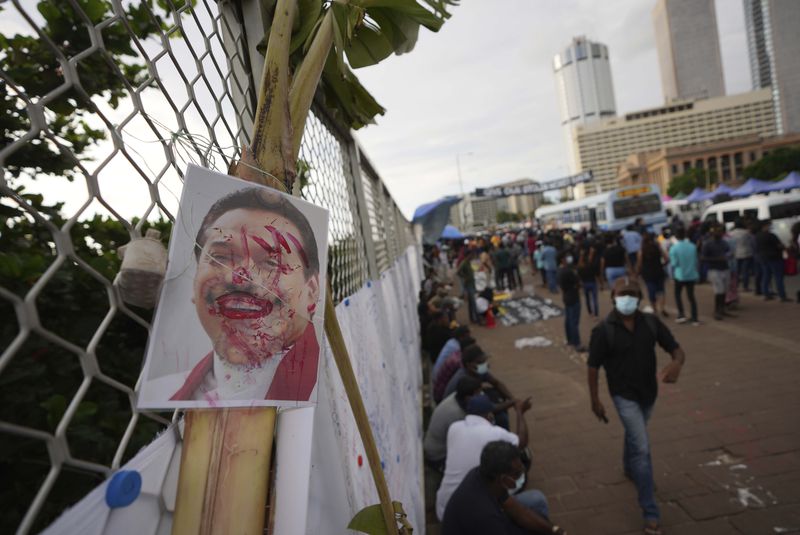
<point x="482" y="368"/>
<point x="626" y="304"/>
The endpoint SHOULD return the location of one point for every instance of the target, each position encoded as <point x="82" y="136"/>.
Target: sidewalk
<point x="725" y="438"/>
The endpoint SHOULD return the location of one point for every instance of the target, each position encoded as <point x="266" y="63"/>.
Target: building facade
<point x="687" y="42"/>
<point x="584" y="86"/>
<point x="723" y="161"/>
<point x="603" y="146"/>
<point x="773" y="44"/>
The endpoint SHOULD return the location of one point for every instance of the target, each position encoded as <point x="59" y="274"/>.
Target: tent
<point x="722" y="189"/>
<point x="433" y="217"/>
<point x="791" y="181"/>
<point x="679" y="197"/>
<point x="751" y="187"/>
<point x="698" y="195"/>
<point x="451" y="233"/>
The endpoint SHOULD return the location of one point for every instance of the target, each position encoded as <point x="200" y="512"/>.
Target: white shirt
<point x="465" y="442"/>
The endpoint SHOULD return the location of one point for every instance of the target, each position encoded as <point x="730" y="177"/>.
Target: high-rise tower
<point x="585" y="89"/>
<point x="774" y="46"/>
<point x="688" y="49"/>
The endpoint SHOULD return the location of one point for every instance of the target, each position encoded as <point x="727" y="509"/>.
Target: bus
<point x="783" y="209"/>
<point x="612" y="210"/>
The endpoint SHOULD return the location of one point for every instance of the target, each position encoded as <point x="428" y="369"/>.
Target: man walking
<point x="570" y="284"/>
<point x="716" y="253"/>
<point x="550" y="265"/>
<point x="683" y="260"/>
<point x="624" y="344"/>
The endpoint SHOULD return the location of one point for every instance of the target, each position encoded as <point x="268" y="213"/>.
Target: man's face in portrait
<point x="251" y="291"/>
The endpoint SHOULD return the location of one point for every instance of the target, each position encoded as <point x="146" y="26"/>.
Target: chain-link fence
<point x="104" y="102"/>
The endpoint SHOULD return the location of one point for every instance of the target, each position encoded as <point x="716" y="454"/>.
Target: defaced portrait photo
<point x="239" y="319"/>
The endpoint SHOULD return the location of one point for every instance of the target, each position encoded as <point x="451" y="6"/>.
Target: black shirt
<point x="631" y="364"/>
<point x="435" y="338"/>
<point x="768" y="246"/>
<point x="568" y="282"/>
<point x="716" y="249"/>
<point x="472" y="510"/>
<point x="614" y="256"/>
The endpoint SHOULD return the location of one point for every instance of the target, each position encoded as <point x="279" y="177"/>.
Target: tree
<point x="40" y="381"/>
<point x="508" y="217"/>
<point x="775" y="165"/>
<point x="34" y="69"/>
<point x="688" y="181"/>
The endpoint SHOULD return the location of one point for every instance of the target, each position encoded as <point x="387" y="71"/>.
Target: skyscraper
<point x="688" y="49"/>
<point x="774" y="46"/>
<point x="585" y="89"/>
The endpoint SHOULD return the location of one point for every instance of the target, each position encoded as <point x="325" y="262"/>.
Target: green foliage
<point x="688" y="181"/>
<point x="37" y="66"/>
<point x="509" y="217"/>
<point x="42" y="378"/>
<point x="775" y="165"/>
<point x="366" y="32"/>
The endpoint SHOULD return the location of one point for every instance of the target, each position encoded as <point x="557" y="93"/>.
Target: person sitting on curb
<point x="466" y="439"/>
<point x="451" y="409"/>
<point x="485" y="502"/>
<point x="475" y="362"/>
<point x="441" y="378"/>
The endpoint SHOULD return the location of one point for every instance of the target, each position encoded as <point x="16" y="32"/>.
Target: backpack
<point x="649" y="319"/>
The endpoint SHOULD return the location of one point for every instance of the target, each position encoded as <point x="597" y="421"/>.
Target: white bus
<point x="782" y="208"/>
<point x="613" y="210"/>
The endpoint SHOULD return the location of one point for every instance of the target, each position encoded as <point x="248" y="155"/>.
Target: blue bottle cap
<point x="123" y="488"/>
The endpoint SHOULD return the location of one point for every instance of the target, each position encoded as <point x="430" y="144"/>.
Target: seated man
<point x="483" y="502"/>
<point x="466" y="439"/>
<point x="451" y="346"/>
<point x="475" y="362"/>
<point x="451" y="409"/>
<point x="437" y="334"/>
<point x="441" y="378"/>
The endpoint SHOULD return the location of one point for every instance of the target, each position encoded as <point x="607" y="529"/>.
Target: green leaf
<point x="307" y="17"/>
<point x="368" y="47"/>
<point x="369" y="520"/>
<point x="408" y="8"/>
<point x="55" y="406"/>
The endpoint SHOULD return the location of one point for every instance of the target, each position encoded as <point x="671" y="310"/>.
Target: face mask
<point x="517" y="484"/>
<point x="570" y="260"/>
<point x="482" y="368"/>
<point x="626" y="304"/>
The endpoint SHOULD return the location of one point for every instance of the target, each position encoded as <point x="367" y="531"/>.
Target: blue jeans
<point x="636" y="456"/>
<point x="535" y="501"/>
<point x="552" y="281"/>
<point x="744" y="266"/>
<point x="572" y="318"/>
<point x="613" y="273"/>
<point x="590" y="291"/>
<point x="772" y="268"/>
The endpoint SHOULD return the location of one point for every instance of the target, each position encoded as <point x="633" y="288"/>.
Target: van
<point x="782" y="208"/>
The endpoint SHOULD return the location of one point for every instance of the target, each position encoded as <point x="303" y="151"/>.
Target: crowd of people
<point x="483" y="465"/>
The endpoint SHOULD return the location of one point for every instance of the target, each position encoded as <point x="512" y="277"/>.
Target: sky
<point x="483" y="89"/>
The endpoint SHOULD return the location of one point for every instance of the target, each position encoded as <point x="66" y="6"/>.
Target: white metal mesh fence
<point x="102" y="104"/>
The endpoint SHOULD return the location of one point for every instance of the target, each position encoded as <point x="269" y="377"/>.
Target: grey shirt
<point x="435" y="442"/>
<point x="745" y="243"/>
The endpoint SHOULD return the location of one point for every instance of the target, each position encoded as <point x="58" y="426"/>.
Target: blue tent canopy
<point x="452" y="233"/>
<point x="751" y="187"/>
<point x="791" y="181"/>
<point x="722" y="189"/>
<point x="697" y="195"/>
<point x="433" y="217"/>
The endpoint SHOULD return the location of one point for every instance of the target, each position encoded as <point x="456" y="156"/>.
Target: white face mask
<point x="570" y="260"/>
<point x="518" y="483"/>
<point x="626" y="304"/>
<point x="482" y="368"/>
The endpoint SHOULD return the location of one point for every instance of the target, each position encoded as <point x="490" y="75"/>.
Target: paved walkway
<point x="726" y="437"/>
